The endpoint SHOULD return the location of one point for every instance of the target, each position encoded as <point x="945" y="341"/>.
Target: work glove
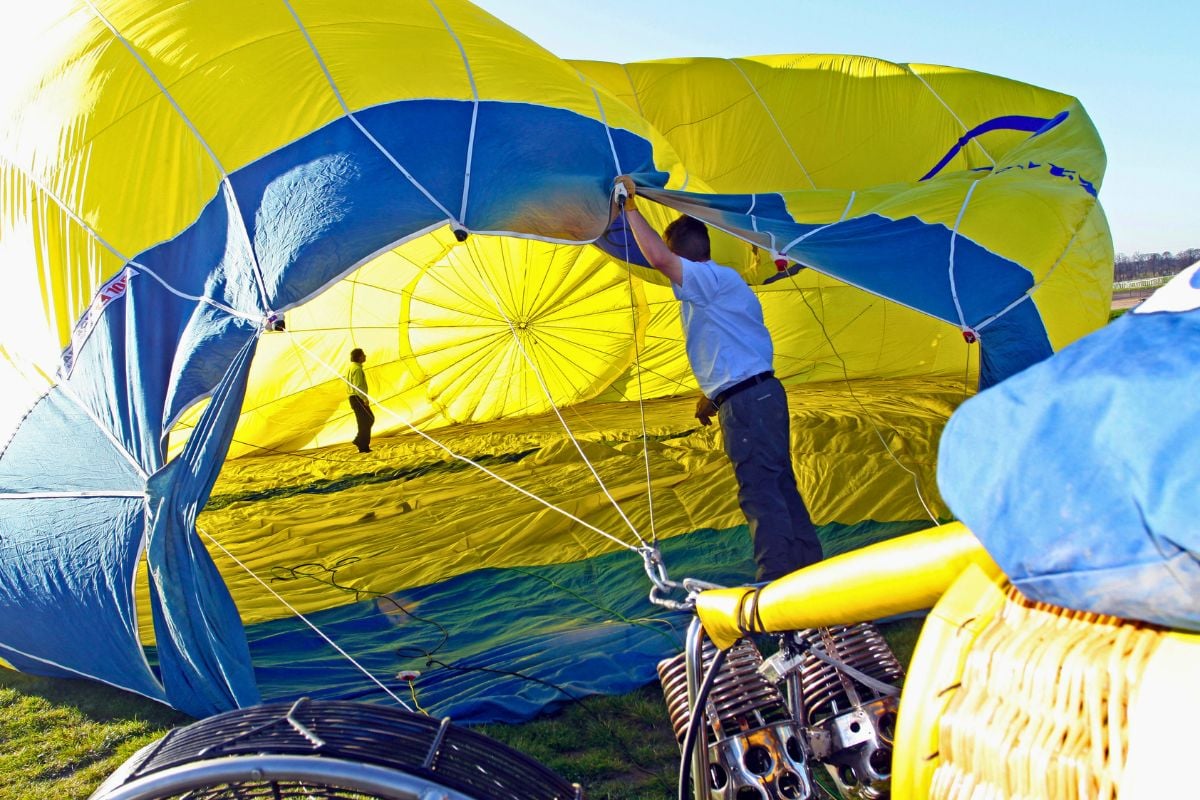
<point x="630" y="190"/>
<point x="705" y="410"/>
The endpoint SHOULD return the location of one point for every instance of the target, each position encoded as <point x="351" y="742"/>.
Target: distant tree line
<point x="1151" y="265"/>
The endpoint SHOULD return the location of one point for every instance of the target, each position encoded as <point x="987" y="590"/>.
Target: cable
<point x="861" y="405"/>
<point x="306" y="621"/>
<point x="549" y="396"/>
<point x="694" y="723"/>
<point x="473" y="463"/>
<point x="967" y="375"/>
<point x="637" y="362"/>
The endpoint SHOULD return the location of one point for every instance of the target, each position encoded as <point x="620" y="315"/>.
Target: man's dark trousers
<point x="754" y="423"/>
<point x="365" y="418"/>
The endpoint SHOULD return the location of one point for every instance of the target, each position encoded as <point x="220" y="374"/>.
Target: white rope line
<point x="463" y="458"/>
<point x="89" y="676"/>
<point x="870" y="418"/>
<point x="750" y="213"/>
<point x="1035" y="287"/>
<point x="841" y="219"/>
<point x="354" y="119"/>
<point x="546" y="390"/>
<point x="117" y="445"/>
<point x="608" y="132"/>
<point x="462" y="51"/>
<point x="86" y="493"/>
<point x="637" y="355"/>
<point x="946" y="105"/>
<point x="637" y="361"/>
<point x="466" y="193"/>
<point x="100" y="240"/>
<point x="633" y="89"/>
<point x="735" y="233"/>
<point x="305" y="620"/>
<point x="225" y="182"/>
<point x="962" y="323"/>
<point x="233" y="312"/>
<point x="774" y="121"/>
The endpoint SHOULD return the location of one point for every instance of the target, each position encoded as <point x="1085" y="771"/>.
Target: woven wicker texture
<point x="1042" y="707"/>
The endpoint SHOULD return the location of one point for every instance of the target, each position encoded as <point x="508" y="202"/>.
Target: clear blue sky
<point x="1135" y="66"/>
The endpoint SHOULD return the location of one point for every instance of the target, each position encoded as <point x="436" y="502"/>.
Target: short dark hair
<point x="688" y="237"/>
<point x="357" y="354"/>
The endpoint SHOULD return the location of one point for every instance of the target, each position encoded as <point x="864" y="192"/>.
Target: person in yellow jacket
<point x="359" y="401"/>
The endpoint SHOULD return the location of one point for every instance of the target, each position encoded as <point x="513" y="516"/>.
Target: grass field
<point x="59" y="739"/>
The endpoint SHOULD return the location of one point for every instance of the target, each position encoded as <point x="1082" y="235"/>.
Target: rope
<point x="225" y="182"/>
<point x="637" y="350"/>
<point x="946" y="105"/>
<point x="131" y="267"/>
<point x="305" y="620"/>
<point x="637" y="361"/>
<point x="814" y="231"/>
<point x="546" y="390"/>
<point x="962" y="323"/>
<point x="1034" y="288"/>
<point x="774" y="122"/>
<point x="861" y="405"/>
<point x="463" y="458"/>
<point x="354" y="119"/>
<point x="118" y="445"/>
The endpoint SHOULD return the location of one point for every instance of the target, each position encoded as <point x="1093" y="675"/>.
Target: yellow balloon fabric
<point x="207" y="206"/>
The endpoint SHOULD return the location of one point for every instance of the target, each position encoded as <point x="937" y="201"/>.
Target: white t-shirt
<point x="723" y="326"/>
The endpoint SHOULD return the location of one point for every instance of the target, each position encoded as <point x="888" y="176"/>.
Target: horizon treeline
<point x="1152" y="265"/>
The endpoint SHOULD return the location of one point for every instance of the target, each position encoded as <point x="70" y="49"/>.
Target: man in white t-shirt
<point x="731" y="354"/>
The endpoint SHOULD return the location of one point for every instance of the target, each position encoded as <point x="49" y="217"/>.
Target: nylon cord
<point x="861" y="405"/>
<point x="637" y="361"/>
<point x="475" y="262"/>
<point x="463" y="458"/>
<point x="305" y="620"/>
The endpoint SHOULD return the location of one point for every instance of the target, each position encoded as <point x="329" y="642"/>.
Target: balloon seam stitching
<point x="946" y="105"/>
<point x="774" y="121"/>
<point x="358" y="124"/>
<point x="962" y="323"/>
<point x="225" y="182"/>
<point x="1028" y="294"/>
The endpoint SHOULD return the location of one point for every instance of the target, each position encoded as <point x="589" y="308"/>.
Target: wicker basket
<point x="1009" y="698"/>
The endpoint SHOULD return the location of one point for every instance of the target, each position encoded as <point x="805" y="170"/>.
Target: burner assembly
<point x="827" y="696"/>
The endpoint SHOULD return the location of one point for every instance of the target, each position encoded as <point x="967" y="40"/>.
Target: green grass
<point x="615" y="747"/>
<point x="59" y="739"/>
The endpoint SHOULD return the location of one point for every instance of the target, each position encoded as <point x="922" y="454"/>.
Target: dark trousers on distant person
<point x="754" y="423"/>
<point x="365" y="418"/>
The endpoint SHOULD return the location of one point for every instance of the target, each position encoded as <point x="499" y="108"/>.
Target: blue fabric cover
<point x="309" y="213"/>
<point x="903" y="260"/>
<point x="584" y="628"/>
<point x="1081" y="475"/>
